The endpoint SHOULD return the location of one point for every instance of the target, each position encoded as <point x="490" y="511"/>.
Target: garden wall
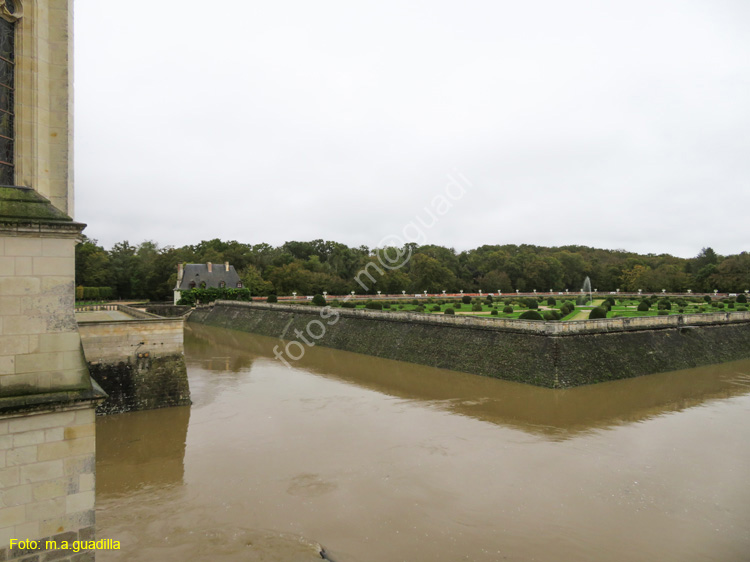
<point x="139" y="363"/>
<point x="551" y="354"/>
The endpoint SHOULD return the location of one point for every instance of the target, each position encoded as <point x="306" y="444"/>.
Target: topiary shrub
<point x="435" y="308"/>
<point x="532" y="303"/>
<point x="742" y="299"/>
<point x="457" y="306"/>
<point x="374" y="305"/>
<point x="493" y="313"/>
<point x="665" y="304"/>
<point x="707" y="299"/>
<point x="466" y="299"/>
<point x="386" y="305"/>
<point x="598" y="312"/>
<point x="476" y="308"/>
<point x="741" y="309"/>
<point x="449" y="311"/>
<point x="730" y="305"/>
<point x="508" y="309"/>
<point x="663" y="312"/>
<point x="415" y="302"/>
<point x="508" y="302"/>
<point x="719" y="305"/>
<point x="348" y="304"/>
<point x="644" y="306"/>
<point x="419" y="308"/>
<point x="489" y="299"/>
<point x="319" y="300"/>
<point x="530" y="315"/>
<point x="272" y="298"/>
<point x="551" y="301"/>
<point x="551" y="315"/>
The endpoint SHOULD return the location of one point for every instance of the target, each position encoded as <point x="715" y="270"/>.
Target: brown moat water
<point x="380" y="460"/>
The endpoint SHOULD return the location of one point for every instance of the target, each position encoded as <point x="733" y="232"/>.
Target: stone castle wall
<point x="530" y="352"/>
<point x="47" y="480"/>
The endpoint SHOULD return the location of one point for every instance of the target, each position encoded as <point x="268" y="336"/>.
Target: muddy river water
<point x="380" y="460"/>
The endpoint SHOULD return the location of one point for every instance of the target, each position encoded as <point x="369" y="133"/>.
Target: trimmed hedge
<point x="94" y="293"/>
<point x="530" y="315"/>
<point x="598" y="312"/>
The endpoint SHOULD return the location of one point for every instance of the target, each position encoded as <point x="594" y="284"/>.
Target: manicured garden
<point x="551" y="309"/>
<point x="523" y="308"/>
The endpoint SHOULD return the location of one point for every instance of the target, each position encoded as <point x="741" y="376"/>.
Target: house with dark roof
<point x="205" y="276"/>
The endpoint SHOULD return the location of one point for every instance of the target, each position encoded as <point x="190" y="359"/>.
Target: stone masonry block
<point x="7" y="266"/>
<point x="39" y="362"/>
<point x="10" y="306"/>
<point x="54" y="266"/>
<point x="80" y="431"/>
<point x="24" y="266"/>
<point x="10" y="476"/>
<point x="42" y="421"/>
<point x="21" y="456"/>
<point x="48" y="490"/>
<point x="63" y="341"/>
<point x="17" y="495"/>
<point x="82" y="501"/>
<point x="12" y="516"/>
<point x="41" y="471"/>
<point x="7" y="365"/>
<point x="12" y="345"/>
<point x="66" y="448"/>
<point x="23" y="246"/>
<point x="39" y="511"/>
<point x="28" y="438"/>
<point x="22" y="325"/>
<point x="22" y="286"/>
<point x="58" y="247"/>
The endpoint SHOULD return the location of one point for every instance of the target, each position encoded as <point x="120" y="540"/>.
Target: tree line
<point x="307" y="268"/>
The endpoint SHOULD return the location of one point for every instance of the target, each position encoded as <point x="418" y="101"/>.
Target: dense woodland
<point x="148" y="271"/>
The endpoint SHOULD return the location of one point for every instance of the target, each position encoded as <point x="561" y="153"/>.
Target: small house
<point x="205" y="276"/>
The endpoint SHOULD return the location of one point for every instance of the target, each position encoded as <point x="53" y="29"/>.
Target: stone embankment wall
<point x="168" y="310"/>
<point x="551" y="354"/>
<point x="139" y="363"/>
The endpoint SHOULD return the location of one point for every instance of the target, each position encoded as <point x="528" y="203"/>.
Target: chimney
<point x="226" y="266"/>
<point x="210" y="267"/>
<point x="180" y="272"/>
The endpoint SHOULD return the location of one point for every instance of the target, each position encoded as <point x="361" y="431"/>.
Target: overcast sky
<point x="607" y="124"/>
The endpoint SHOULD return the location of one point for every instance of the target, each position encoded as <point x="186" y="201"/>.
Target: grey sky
<point x="608" y="124"/>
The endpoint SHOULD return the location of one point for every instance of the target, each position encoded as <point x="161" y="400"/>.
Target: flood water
<point x="380" y="460"/>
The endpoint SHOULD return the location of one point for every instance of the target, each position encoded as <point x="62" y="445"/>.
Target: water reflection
<point x="379" y="460"/>
<point x="555" y="413"/>
<point x="140" y="450"/>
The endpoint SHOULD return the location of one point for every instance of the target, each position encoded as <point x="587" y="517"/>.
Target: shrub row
<point x="93" y="293"/>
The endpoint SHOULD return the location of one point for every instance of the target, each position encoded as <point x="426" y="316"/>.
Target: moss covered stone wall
<point x="483" y="348"/>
